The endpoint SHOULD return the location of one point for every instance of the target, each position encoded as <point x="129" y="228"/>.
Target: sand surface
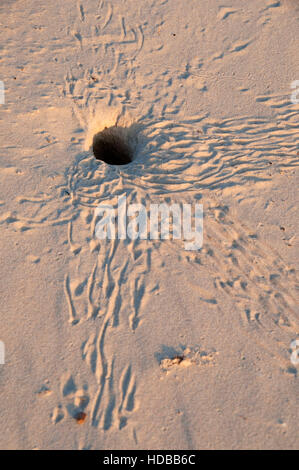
<point x="122" y="344"/>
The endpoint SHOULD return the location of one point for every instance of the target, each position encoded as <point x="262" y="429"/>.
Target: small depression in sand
<point x="111" y="146"/>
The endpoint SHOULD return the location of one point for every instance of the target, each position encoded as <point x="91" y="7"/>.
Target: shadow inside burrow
<point x="111" y="147"/>
<point x="117" y="145"/>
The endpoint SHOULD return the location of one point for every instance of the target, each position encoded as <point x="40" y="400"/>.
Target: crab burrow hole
<point x="112" y="145"/>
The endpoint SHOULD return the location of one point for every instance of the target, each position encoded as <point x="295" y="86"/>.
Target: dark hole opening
<point x="111" y="147"/>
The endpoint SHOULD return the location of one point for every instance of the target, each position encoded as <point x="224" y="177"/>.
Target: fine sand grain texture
<point x="141" y="344"/>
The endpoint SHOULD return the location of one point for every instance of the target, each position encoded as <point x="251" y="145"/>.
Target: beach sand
<point x="142" y="344"/>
